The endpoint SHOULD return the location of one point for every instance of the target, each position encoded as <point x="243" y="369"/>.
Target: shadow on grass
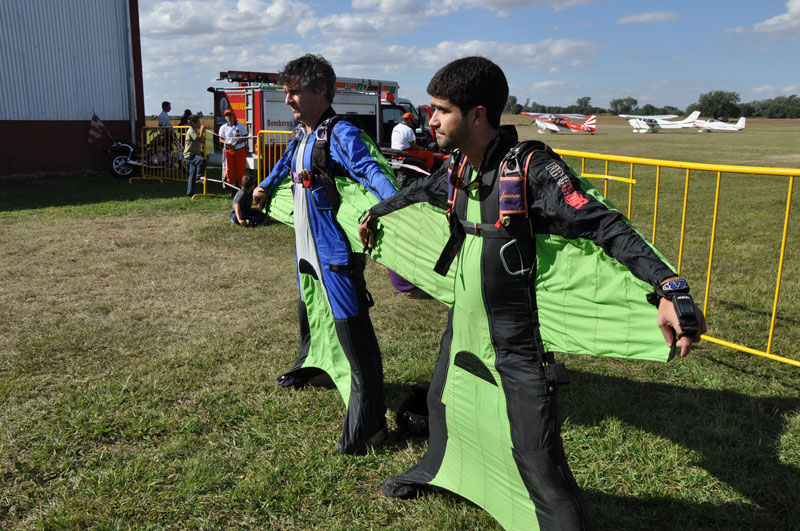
<point x="62" y="191"/>
<point x="735" y="437"/>
<point x="729" y="306"/>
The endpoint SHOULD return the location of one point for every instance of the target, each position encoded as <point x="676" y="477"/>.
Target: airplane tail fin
<point x="692" y="117"/>
<point x="740" y="124"/>
<point x="590" y="124"/>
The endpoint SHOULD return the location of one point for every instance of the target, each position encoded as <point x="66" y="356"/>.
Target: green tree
<point x="623" y="105"/>
<point x="719" y="104"/>
<point x="584" y="105"/>
<point x="510" y="103"/>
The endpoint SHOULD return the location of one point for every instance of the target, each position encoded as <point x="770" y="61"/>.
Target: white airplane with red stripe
<point x="558" y="123"/>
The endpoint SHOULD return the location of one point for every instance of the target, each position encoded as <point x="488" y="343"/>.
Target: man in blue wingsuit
<point x="492" y="403"/>
<point x="336" y="334"/>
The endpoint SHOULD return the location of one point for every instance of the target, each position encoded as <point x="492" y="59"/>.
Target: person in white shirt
<point x="163" y="118"/>
<point x="404" y="139"/>
<point x="234" y="159"/>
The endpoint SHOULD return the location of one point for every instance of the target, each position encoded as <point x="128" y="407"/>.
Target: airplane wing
<point x="649" y="116"/>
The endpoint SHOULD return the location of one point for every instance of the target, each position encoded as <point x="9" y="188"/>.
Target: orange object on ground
<point x="423" y="155"/>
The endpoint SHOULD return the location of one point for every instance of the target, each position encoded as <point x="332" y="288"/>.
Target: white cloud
<point x="763" y="88"/>
<point x="772" y="90"/>
<point x="789" y="21"/>
<point x="394" y="7"/>
<point x="499" y="7"/>
<point x="185" y="43"/>
<point x="548" y="85"/>
<point x="534" y="55"/>
<point x="652" y="16"/>
<point x="218" y="20"/>
<point x="737" y="29"/>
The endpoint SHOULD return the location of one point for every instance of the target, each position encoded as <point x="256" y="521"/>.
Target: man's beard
<point x="455" y="138"/>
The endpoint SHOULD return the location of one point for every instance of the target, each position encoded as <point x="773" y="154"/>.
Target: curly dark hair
<point x="311" y="71"/>
<point x="472" y="81"/>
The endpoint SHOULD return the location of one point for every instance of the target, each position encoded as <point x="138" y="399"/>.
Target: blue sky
<point x="552" y="51"/>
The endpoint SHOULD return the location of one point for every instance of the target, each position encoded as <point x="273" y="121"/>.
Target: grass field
<point x="141" y="334"/>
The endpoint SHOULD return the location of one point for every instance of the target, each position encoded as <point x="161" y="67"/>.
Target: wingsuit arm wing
<point x="568" y="209"/>
<point x="431" y="189"/>
<point x="354" y="151"/>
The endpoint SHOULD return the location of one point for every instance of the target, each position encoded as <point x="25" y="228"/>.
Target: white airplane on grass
<point x="706" y="126"/>
<point x="655" y="123"/>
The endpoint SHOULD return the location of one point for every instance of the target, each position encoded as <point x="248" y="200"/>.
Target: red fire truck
<point x="259" y="103"/>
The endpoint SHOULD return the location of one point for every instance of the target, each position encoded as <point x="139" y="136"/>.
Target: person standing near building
<point x="193" y="152"/>
<point x="493" y="400"/>
<point x="404" y="139"/>
<point x="336" y="334"/>
<point x="163" y="118"/>
<point x="234" y="159"/>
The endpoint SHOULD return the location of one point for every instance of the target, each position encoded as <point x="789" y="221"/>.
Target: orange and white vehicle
<point x="259" y="102"/>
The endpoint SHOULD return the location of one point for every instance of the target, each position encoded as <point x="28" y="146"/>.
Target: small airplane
<point x="657" y="122"/>
<point x="557" y="123"/>
<point x="706" y="126"/>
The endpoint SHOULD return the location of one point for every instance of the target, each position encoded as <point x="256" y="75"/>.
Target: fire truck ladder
<point x="249" y="113"/>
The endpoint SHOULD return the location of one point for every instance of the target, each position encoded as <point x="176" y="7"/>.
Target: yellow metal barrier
<point x="271" y="145"/>
<point x="162" y="154"/>
<point x="719" y="169"/>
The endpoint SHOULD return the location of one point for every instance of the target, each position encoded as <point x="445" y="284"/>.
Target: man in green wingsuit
<point x="492" y="403"/>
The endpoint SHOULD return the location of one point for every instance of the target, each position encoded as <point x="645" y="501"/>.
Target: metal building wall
<point x="62" y="58"/>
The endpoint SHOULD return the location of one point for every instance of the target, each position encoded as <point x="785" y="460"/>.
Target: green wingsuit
<point x="568" y="275"/>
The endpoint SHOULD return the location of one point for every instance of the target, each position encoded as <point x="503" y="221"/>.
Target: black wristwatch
<point x="677" y="291"/>
<point x="667" y="289"/>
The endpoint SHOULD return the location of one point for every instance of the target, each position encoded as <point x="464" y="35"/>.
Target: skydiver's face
<point x="453" y="128"/>
<point x="307" y="105"/>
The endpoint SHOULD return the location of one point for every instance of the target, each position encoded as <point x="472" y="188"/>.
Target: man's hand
<point x="670" y="326"/>
<point x="259" y="196"/>
<point x="366" y="232"/>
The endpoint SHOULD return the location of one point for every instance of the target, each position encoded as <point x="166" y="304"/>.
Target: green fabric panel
<point x="410" y="240"/>
<point x="478" y="463"/>
<point x="375" y="153"/>
<point x="589" y="303"/>
<point x="281" y="206"/>
<point x="326" y="352"/>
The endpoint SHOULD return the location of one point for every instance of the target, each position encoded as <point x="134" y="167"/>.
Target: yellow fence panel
<point x="718" y="170"/>
<point x="271" y="145"/>
<point x="162" y="153"/>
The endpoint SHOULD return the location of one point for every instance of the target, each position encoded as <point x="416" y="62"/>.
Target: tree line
<point x="718" y="104"/>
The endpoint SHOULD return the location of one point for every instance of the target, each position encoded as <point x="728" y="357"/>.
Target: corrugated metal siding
<point x="62" y="58"/>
